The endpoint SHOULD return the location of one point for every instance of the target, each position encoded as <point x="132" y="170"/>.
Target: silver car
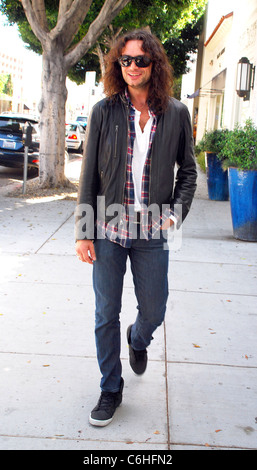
<point x="75" y="136"/>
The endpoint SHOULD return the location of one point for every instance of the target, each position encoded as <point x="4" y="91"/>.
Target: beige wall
<point x="235" y="38"/>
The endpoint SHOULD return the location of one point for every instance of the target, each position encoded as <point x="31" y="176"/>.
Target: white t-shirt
<point x="141" y="145"/>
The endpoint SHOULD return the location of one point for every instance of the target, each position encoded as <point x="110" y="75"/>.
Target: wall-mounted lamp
<point x="245" y="78"/>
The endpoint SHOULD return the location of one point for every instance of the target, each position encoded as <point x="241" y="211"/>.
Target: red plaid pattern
<point x="124" y="232"/>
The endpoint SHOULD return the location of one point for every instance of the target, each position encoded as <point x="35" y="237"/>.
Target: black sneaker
<point x="137" y="359"/>
<point x="104" y="411"/>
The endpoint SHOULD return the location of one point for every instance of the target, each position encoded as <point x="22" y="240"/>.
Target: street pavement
<point x="199" y="391"/>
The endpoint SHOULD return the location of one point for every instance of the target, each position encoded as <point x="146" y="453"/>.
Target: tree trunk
<point x="57" y="59"/>
<point x="52" y="118"/>
<point x="100" y="55"/>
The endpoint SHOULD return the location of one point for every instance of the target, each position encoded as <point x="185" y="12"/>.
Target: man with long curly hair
<point x="128" y="200"/>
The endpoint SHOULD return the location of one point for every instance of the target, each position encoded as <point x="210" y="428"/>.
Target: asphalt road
<point x="11" y="175"/>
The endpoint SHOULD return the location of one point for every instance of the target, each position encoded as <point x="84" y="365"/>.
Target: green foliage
<point x="86" y="64"/>
<point x="190" y="14"/>
<point x="177" y="82"/>
<point x="6" y="86"/>
<point x="213" y="142"/>
<point x="200" y="157"/>
<point x="179" y="48"/>
<point x="240" y="149"/>
<point x="175" y="23"/>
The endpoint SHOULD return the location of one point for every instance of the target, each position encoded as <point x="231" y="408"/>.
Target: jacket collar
<point x="128" y="101"/>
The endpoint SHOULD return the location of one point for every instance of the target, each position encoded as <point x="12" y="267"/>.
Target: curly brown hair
<point x="161" y="81"/>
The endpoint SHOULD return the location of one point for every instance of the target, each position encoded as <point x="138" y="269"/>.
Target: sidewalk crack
<point x="49" y="238"/>
<point x="167" y="388"/>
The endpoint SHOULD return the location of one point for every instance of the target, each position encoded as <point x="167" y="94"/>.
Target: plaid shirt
<point x="125" y="231"/>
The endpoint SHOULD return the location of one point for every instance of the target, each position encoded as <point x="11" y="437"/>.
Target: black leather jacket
<point x="103" y="171"/>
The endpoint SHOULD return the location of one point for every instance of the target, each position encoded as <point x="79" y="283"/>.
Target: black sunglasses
<point x="140" y="60"/>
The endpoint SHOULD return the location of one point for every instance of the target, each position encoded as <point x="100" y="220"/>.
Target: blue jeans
<point x="149" y="266"/>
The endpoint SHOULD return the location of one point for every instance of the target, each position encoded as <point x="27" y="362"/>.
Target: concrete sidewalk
<point x="199" y="390"/>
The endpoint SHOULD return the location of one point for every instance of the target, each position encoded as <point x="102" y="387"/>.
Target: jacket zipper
<point x="116" y="140"/>
<point x="124" y="183"/>
<point x="150" y="173"/>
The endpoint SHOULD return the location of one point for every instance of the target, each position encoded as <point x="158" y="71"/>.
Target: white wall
<point x="239" y="38"/>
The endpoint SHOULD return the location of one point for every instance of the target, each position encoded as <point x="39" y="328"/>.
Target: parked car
<point x="82" y="120"/>
<point x="12" y="140"/>
<point x="75" y="136"/>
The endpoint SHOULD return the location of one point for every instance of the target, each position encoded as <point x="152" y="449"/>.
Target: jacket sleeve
<point x="186" y="176"/>
<point x="85" y="213"/>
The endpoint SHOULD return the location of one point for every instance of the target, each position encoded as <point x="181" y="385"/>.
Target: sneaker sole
<point x="96" y="422"/>
<point x="101" y="422"/>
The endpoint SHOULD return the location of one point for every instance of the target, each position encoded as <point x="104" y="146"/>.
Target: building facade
<point x="230" y="34"/>
<point x="11" y="64"/>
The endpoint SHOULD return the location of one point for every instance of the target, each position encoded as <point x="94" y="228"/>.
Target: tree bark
<point x="56" y="62"/>
<point x="108" y="41"/>
<point x="52" y="118"/>
<point x="40" y="12"/>
<point x="100" y="55"/>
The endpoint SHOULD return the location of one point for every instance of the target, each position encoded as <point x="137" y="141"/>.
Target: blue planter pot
<point x="243" y="202"/>
<point x="217" y="179"/>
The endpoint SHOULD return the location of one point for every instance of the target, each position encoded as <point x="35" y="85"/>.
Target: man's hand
<point x="167" y="224"/>
<point x="85" y="251"/>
